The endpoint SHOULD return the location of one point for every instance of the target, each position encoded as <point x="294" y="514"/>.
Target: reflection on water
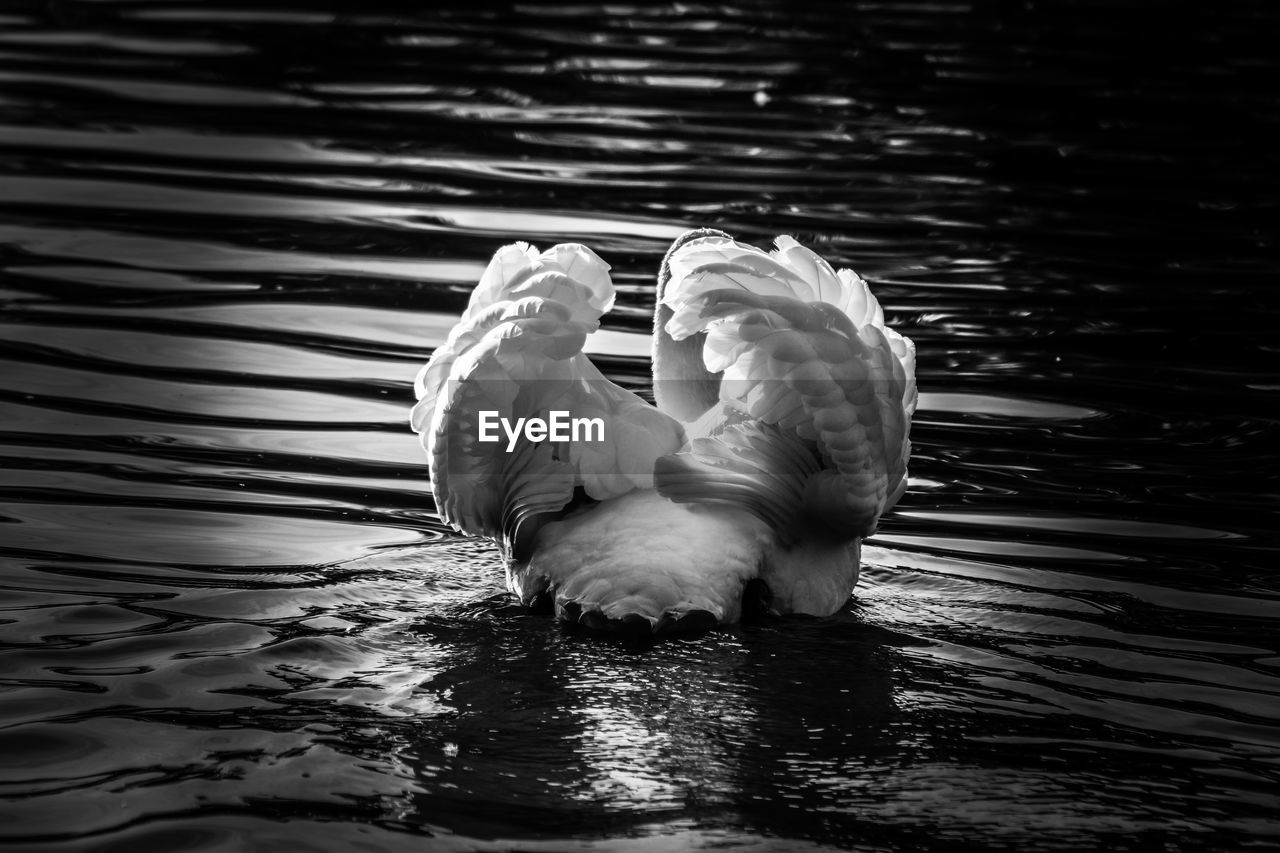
<point x="229" y="235"/>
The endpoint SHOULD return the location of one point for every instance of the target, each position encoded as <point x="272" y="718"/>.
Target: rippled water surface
<point x="230" y="232"/>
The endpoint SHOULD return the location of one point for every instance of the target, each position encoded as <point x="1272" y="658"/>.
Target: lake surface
<point x="230" y="232"/>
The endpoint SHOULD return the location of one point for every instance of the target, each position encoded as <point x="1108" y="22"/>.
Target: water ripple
<point x="230" y="617"/>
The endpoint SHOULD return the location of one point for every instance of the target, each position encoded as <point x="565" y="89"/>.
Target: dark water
<point x="230" y="232"/>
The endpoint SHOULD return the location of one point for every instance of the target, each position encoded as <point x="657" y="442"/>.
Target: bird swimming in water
<point x="780" y="437"/>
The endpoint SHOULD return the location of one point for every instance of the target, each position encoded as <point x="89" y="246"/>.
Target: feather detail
<point x="804" y="348"/>
<point x="518" y="353"/>
<point x="648" y="564"/>
<point x="752" y="465"/>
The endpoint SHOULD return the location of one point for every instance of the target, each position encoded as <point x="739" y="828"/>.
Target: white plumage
<point x="780" y="438"/>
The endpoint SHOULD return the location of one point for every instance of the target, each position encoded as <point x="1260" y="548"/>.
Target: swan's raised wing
<point x="517" y="354"/>
<point x="805" y="349"/>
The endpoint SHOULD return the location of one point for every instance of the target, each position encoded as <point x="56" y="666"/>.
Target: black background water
<point x="231" y="231"/>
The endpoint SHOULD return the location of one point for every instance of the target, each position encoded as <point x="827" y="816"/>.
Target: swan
<point x="780" y="437"/>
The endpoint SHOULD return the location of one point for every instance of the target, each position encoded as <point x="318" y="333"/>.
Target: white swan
<point x="780" y="437"/>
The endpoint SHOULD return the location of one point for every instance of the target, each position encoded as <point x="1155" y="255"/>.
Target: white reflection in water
<point x="992" y="404"/>
<point x="190" y="537"/>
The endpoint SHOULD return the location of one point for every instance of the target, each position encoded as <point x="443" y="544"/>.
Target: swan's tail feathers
<point x="515" y="359"/>
<point x="805" y="348"/>
<point x="682" y="568"/>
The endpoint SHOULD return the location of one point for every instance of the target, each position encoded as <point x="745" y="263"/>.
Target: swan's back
<point x="796" y="401"/>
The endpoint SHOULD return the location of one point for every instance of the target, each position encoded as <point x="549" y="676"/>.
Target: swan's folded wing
<point x="805" y="349"/>
<point x="753" y="465"/>
<point x="568" y="273"/>
<point x="517" y="354"/>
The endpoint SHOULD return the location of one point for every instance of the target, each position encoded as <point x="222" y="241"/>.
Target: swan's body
<point x="780" y="437"/>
